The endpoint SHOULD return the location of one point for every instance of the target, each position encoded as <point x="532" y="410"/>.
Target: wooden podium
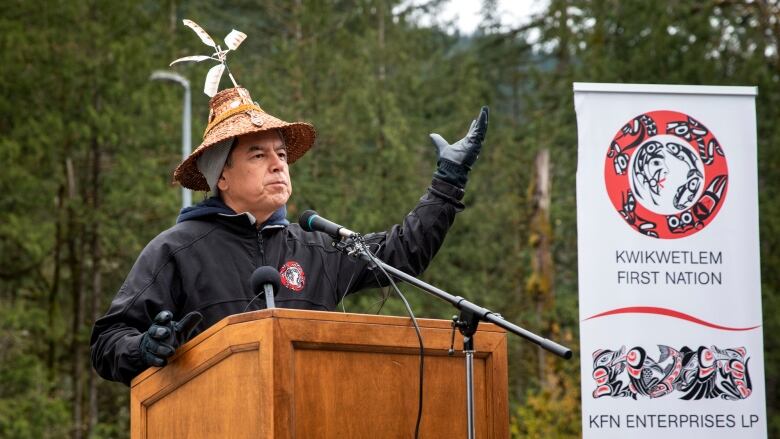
<point x="287" y="373"/>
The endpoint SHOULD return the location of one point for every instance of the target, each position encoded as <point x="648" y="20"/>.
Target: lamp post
<point x="186" y="131"/>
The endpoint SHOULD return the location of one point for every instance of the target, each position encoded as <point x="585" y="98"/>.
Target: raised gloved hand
<point x="455" y="160"/>
<point x="162" y="338"/>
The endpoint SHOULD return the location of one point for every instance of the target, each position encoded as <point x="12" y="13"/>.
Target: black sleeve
<point x="149" y="288"/>
<point x="409" y="246"/>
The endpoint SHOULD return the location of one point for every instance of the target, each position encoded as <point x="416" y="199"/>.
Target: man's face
<point x="256" y="178"/>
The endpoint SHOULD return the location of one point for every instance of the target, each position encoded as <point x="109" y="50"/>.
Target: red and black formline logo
<point x="293" y="276"/>
<point x="666" y="174"/>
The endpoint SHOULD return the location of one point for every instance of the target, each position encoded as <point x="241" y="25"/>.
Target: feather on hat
<point x="233" y="113"/>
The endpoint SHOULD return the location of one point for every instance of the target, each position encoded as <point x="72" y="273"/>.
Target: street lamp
<point x="186" y="132"/>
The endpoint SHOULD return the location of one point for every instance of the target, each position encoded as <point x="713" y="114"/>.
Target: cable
<point x="349" y="283"/>
<point x="419" y="338"/>
<point x="346" y="289"/>
<point x="384" y="291"/>
<point x="253" y="299"/>
<point x="385" y="295"/>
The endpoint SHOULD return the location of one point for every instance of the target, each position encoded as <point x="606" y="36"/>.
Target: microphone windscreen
<point x="305" y="220"/>
<point x="265" y="275"/>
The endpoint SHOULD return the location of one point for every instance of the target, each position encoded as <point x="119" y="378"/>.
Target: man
<point x="197" y="272"/>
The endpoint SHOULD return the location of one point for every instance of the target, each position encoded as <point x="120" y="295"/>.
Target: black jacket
<point x="204" y="263"/>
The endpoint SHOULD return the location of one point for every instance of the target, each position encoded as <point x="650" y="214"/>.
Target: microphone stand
<point x="466" y="322"/>
<point x="269" y="296"/>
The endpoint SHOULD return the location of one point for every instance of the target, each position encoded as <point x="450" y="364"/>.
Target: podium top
<point x="318" y="316"/>
<point x="285" y="313"/>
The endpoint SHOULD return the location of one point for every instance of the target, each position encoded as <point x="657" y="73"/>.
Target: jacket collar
<point x="214" y="206"/>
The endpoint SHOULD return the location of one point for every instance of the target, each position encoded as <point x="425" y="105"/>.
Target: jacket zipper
<point x="260" y="247"/>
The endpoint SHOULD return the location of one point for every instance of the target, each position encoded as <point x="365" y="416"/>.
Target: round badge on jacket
<point x="292" y="275"/>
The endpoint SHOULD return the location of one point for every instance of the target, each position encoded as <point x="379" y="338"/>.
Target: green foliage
<point x="552" y="412"/>
<point x="30" y="406"/>
<point x="89" y="144"/>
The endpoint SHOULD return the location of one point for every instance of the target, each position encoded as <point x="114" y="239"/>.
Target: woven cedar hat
<point x="232" y="113"/>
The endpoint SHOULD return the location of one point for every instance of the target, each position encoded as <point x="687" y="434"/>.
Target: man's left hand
<point x="455" y="160"/>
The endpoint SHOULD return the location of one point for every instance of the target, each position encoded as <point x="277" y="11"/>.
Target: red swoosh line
<point x="669" y="313"/>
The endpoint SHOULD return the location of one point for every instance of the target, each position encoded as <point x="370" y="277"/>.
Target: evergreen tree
<point x="89" y="145"/>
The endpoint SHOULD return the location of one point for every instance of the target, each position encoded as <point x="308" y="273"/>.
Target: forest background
<point x="88" y="145"/>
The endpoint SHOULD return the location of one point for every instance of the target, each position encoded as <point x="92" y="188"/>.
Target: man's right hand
<point x="164" y="336"/>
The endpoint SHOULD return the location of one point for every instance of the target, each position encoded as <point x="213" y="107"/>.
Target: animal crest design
<point x="666" y="174"/>
<point x="232" y="41"/>
<point x="704" y="373"/>
<point x="293" y="276"/>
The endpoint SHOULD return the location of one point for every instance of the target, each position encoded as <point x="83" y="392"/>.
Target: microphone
<point x="310" y="221"/>
<point x="265" y="280"/>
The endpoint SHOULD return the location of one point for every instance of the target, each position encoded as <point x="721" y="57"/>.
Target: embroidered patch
<point x="293" y="276"/>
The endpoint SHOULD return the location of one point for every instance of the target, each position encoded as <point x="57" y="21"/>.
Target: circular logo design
<point x="293" y="276"/>
<point x="666" y="174"/>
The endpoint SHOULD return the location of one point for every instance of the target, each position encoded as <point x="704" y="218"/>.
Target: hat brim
<point x="298" y="137"/>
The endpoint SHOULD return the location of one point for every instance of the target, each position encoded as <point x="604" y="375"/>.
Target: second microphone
<point x="310" y="221"/>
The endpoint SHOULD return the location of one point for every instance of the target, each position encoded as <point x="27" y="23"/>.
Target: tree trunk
<point x="97" y="280"/>
<point x="74" y="263"/>
<point x="564" y="36"/>
<point x="381" y="72"/>
<point x="540" y="282"/>
<point x="172" y="18"/>
<point x="55" y="289"/>
<point x="297" y="66"/>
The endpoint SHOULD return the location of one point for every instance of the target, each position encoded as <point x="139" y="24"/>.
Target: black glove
<point x="455" y="160"/>
<point x="164" y="336"/>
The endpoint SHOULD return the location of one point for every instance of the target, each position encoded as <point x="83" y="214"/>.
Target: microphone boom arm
<point x="355" y="246"/>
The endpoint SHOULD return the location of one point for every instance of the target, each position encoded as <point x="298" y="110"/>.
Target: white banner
<point x="669" y="279"/>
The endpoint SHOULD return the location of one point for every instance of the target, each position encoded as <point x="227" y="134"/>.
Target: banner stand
<point x="669" y="270"/>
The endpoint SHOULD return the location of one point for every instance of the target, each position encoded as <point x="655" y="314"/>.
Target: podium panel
<point x="288" y="373"/>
